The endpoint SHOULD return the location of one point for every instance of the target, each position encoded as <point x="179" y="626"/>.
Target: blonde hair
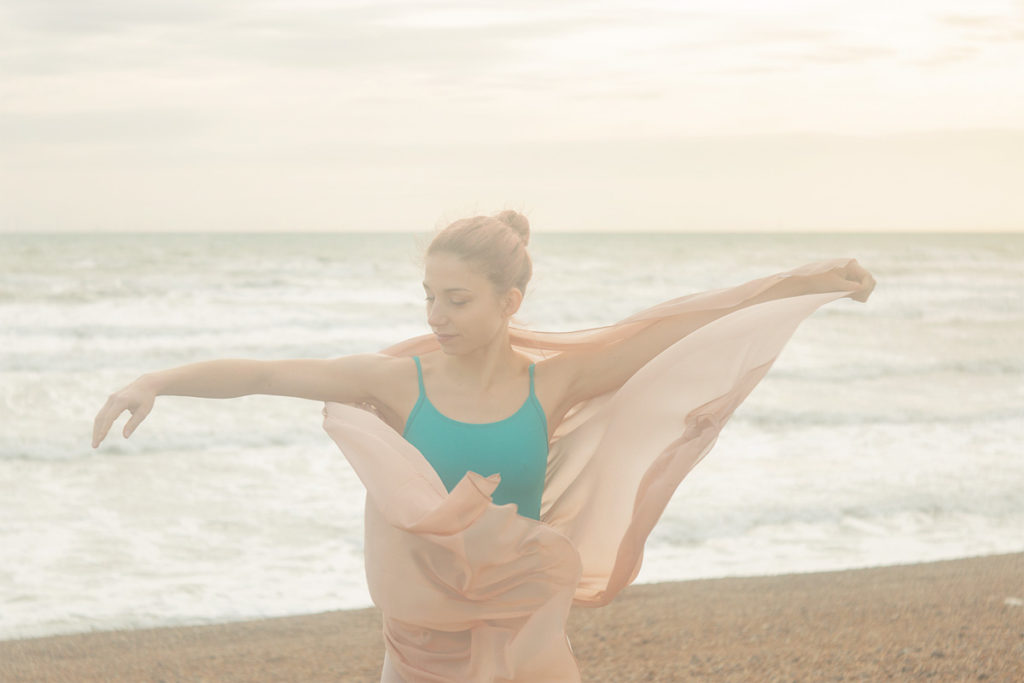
<point x="493" y="245"/>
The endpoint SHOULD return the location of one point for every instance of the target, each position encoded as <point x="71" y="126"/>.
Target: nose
<point x="435" y="318"/>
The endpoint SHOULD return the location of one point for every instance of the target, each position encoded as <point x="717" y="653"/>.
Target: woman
<point x="512" y="473"/>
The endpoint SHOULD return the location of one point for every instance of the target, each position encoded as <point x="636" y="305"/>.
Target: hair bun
<point x="517" y="222"/>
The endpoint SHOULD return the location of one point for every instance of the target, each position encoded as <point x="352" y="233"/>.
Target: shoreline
<point x="960" y="619"/>
<point x="200" y="622"/>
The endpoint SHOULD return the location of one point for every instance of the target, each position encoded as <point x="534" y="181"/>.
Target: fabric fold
<point x="472" y="591"/>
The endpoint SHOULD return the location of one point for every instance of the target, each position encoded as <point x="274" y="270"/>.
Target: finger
<point x="98" y="431"/>
<point x="137" y="416"/>
<point x="870" y="288"/>
<point x="867" y="286"/>
<point x="96" y="438"/>
<point x="108" y="420"/>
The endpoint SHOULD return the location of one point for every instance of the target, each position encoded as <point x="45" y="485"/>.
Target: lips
<point x="443" y="337"/>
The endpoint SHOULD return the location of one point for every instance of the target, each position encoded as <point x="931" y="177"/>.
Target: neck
<point x="484" y="368"/>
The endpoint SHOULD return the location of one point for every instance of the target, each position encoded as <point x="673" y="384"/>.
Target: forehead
<point x="445" y="272"/>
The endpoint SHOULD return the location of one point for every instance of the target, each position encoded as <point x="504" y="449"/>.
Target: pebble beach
<point x="953" y="620"/>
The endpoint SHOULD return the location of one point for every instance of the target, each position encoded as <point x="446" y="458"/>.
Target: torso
<point x="399" y="389"/>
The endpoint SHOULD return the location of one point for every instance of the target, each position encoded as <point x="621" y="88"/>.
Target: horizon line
<point x="824" y="231"/>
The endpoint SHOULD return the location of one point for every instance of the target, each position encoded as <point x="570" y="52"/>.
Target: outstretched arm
<point x="224" y="378"/>
<point x="347" y="379"/>
<point x="592" y="372"/>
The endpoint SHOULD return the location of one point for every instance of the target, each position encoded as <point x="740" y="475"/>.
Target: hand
<point x="858" y="274"/>
<point x="138" y="398"/>
<point x="853" y="277"/>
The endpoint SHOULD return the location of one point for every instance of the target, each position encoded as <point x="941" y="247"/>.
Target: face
<point x="462" y="302"/>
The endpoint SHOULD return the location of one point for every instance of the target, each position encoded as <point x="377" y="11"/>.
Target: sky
<point x="632" y="115"/>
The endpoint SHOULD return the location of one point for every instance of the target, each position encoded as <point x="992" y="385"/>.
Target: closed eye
<point x="454" y="303"/>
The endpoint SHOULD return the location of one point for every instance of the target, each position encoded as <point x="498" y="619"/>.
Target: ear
<point x="513" y="299"/>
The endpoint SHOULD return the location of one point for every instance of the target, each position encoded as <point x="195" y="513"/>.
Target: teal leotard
<point x="516" y="447"/>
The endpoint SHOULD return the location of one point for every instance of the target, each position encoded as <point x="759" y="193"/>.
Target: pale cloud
<point x="166" y="98"/>
<point x="982" y="27"/>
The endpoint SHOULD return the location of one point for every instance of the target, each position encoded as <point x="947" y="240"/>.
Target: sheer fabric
<point x="472" y="591"/>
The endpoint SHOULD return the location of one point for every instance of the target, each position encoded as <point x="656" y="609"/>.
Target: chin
<point x="449" y="350"/>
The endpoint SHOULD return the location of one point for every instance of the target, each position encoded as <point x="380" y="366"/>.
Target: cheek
<point x="468" y="319"/>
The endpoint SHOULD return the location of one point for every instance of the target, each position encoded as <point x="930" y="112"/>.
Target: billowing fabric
<point x="470" y="590"/>
<point x="516" y="447"/>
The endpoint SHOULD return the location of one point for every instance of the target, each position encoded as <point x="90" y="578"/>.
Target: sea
<point x="887" y="432"/>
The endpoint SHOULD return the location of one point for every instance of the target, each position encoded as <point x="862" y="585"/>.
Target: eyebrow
<point x="450" y="289"/>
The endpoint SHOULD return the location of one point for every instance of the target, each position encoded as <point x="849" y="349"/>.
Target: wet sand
<point x="955" y="620"/>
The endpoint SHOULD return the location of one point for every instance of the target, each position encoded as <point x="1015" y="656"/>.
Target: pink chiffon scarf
<point x="472" y="591"/>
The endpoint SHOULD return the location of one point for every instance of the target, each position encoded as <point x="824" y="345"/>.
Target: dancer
<point x="513" y="473"/>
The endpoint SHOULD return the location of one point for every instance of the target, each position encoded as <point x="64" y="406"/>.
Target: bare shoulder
<point x="387" y="372"/>
<point x="394" y="388"/>
<point x="576" y="375"/>
<point x="383" y="366"/>
<point x="595" y="369"/>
